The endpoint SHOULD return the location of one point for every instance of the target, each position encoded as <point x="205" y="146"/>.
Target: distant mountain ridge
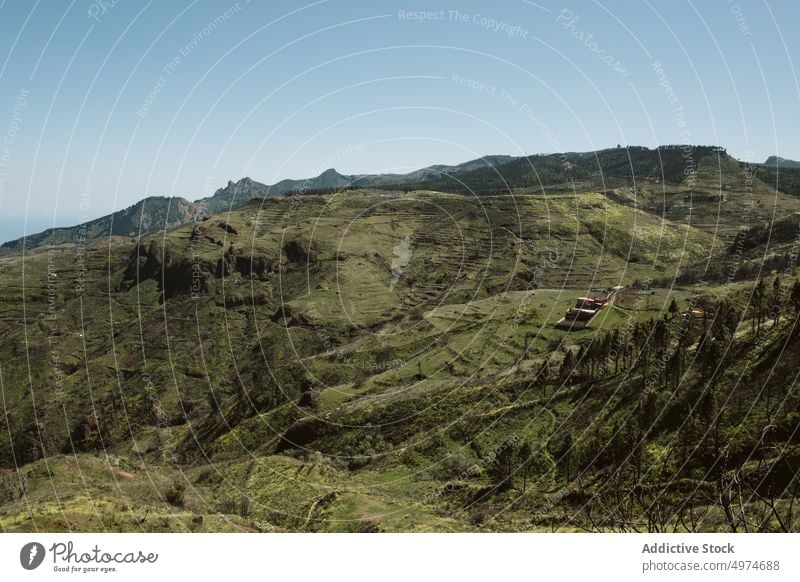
<point x="778" y="161"/>
<point x="601" y="169"/>
<point x="330" y="178"/>
<point x="597" y="170"/>
<point x="495" y="174"/>
<point x="156" y="213"/>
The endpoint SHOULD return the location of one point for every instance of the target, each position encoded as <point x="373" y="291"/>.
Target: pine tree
<point x="501" y="470"/>
<point x="567" y="366"/>
<point x="777" y="299"/>
<point x="525" y="456"/>
<point x="759" y="293"/>
<point x="616" y="346"/>
<point x="673" y="307"/>
<point x="566" y="455"/>
<point x="795" y="298"/>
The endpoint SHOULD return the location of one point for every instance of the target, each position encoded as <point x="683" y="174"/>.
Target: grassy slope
<point x="160" y="411"/>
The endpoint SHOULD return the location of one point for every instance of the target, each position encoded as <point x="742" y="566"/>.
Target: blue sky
<point x="103" y="103"/>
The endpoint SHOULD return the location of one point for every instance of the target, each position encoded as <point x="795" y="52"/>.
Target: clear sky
<point x="105" y="102"/>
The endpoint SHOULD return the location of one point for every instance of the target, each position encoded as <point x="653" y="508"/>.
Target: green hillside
<point x="377" y="360"/>
<point x="157" y="213"/>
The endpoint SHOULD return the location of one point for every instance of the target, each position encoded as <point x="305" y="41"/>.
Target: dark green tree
<point x="567" y="366"/>
<point x="777" y="300"/>
<point x="501" y="470"/>
<point x="794" y="298"/>
<point x="673" y="307"/>
<point x="525" y="456"/>
<point x="759" y="295"/>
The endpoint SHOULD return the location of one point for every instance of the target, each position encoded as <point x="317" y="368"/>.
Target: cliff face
<point x="235" y="194"/>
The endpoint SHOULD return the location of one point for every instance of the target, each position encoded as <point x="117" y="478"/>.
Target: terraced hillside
<point x="378" y="360"/>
